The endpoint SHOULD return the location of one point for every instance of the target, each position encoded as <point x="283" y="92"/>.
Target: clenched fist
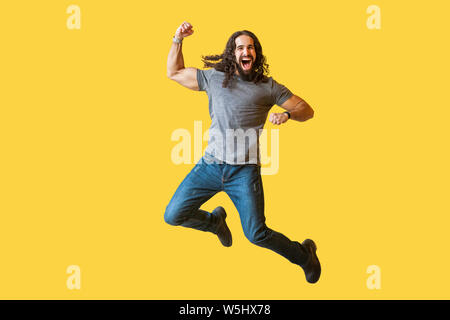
<point x="278" y="118"/>
<point x="184" y="30"/>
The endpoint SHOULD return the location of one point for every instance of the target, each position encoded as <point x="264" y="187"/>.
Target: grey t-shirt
<point x="238" y="115"/>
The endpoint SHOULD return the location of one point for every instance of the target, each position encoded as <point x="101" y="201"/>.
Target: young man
<point x="240" y="96"/>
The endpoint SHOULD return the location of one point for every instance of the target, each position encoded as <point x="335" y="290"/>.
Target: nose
<point x="245" y="52"/>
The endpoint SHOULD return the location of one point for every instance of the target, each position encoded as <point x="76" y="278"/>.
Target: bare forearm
<point x="175" y="59"/>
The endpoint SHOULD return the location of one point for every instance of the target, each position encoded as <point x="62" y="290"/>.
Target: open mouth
<point x="246" y="64"/>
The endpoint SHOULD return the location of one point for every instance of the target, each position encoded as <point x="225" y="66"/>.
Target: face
<point x="245" y="54"/>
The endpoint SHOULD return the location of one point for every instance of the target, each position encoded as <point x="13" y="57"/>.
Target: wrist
<point x="177" y="39"/>
<point x="288" y="114"/>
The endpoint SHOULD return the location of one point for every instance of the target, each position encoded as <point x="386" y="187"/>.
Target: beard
<point x="246" y="75"/>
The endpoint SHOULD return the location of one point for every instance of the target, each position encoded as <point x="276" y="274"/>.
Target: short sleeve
<point x="280" y="93"/>
<point x="203" y="77"/>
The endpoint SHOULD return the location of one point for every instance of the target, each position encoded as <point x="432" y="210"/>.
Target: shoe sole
<point x="311" y="245"/>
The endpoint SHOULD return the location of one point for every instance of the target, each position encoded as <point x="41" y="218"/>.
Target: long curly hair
<point x="227" y="60"/>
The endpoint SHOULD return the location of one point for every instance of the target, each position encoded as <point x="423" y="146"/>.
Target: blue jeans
<point x="243" y="184"/>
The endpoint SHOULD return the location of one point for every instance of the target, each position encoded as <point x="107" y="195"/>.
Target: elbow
<point x="172" y="74"/>
<point x="308" y="115"/>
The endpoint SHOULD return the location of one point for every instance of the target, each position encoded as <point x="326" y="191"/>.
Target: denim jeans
<point x="243" y="184"/>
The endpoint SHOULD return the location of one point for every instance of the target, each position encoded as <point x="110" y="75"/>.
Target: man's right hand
<point x="184" y="30"/>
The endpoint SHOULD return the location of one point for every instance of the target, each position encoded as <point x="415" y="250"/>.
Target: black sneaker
<point x="222" y="231"/>
<point x="312" y="267"/>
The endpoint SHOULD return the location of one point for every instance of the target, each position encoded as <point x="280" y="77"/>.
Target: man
<point x="240" y="97"/>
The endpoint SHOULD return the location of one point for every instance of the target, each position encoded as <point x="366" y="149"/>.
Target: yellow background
<point x="86" y="118"/>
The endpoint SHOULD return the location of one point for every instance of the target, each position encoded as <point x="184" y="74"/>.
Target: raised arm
<point x="176" y="71"/>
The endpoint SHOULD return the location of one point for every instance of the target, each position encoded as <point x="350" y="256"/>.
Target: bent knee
<point x="170" y="217"/>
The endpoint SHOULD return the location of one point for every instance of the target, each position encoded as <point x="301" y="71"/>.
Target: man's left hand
<point x="278" y="118"/>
